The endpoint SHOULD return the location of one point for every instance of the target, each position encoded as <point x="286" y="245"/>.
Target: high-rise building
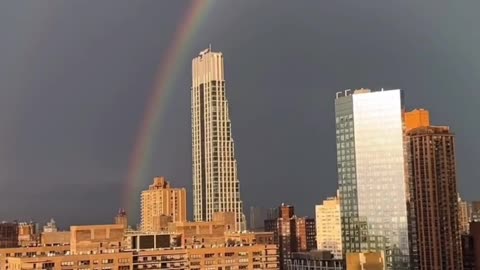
<point x="372" y="174"/>
<point x="258" y="215"/>
<point x="416" y="118"/>
<point x="285" y="236"/>
<point x="329" y="230"/>
<point x="464" y="215"/>
<point x="434" y="197"/>
<point x="162" y="204"/>
<point x="291" y="233"/>
<point x="216" y="187"/>
<point x="122" y="218"/>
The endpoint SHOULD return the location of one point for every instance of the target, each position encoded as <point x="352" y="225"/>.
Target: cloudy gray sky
<point x="75" y="77"/>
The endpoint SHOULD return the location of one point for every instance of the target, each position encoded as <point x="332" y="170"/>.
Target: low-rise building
<point x="55" y="238"/>
<point x="105" y="261"/>
<point x="109" y="247"/>
<point x="96" y="238"/>
<point x="191" y="257"/>
<point x="24" y="252"/>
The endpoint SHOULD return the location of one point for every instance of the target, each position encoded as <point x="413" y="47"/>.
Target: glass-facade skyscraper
<point x="372" y="174"/>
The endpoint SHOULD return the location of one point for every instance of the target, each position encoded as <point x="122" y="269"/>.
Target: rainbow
<point x="156" y="103"/>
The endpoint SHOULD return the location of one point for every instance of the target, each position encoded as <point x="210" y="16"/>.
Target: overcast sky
<point x="75" y="77"/>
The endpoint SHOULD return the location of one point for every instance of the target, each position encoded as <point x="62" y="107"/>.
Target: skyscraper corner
<point x="216" y="187"/>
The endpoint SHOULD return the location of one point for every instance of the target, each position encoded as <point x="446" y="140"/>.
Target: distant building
<point x="372" y="174"/>
<point x="272" y="213"/>
<point x="476" y="211"/>
<point x="434" y="197"/>
<point x="258" y="215"/>
<point x="51" y="226"/>
<point x="464" y="215"/>
<point x="314" y="260"/>
<point x="216" y="187"/>
<point x="161" y="204"/>
<point x="8" y="234"/>
<point x="329" y="230"/>
<point x="28" y="234"/>
<point x="291" y="233"/>
<point x="122" y="218"/>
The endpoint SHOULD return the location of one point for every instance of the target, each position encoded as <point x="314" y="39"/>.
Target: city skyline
<point x="68" y="128"/>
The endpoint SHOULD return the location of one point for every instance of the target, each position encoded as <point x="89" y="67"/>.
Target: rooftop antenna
<point x="210" y="46"/>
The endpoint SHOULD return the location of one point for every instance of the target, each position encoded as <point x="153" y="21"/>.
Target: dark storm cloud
<point x="75" y="77"/>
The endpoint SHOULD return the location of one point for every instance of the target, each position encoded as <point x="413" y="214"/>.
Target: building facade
<point x="258" y="215"/>
<point x="468" y="252"/>
<point x="474" y="251"/>
<point x="306" y="233"/>
<point x="101" y="247"/>
<point x="28" y="234"/>
<point x="23" y="252"/>
<point x="433" y="191"/>
<point x="216" y="187"/>
<point x="328" y="226"/>
<point x="8" y="234"/>
<point x="162" y="204"/>
<point x="365" y="261"/>
<point x="314" y="260"/>
<point x="372" y="174"/>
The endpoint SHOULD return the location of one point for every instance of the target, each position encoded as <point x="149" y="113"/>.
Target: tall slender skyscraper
<point x="216" y="187"/>
<point x="433" y="187"/>
<point x="372" y="174"/>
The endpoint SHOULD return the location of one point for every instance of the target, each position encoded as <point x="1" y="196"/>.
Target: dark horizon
<point x="75" y="78"/>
